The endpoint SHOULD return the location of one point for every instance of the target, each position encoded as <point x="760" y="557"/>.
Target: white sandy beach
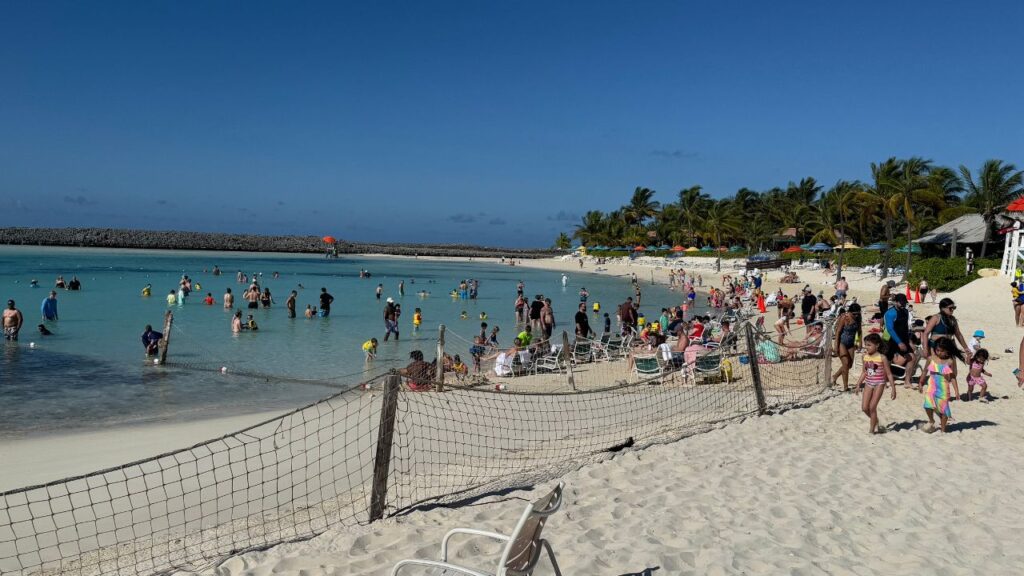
<point x="805" y="492"/>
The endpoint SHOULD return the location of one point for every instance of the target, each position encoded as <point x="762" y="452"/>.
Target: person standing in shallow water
<point x="229" y="299"/>
<point x="390" y="320"/>
<point x="49" y="306"/>
<point x="290" y="303"/>
<point x="380" y="290"/>
<point x="325" y="303"/>
<point x="12" y="321"/>
<point x="401" y="287"/>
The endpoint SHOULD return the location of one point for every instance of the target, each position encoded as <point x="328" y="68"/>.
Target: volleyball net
<point x="388" y="448"/>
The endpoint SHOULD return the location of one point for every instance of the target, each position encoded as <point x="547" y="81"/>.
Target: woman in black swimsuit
<point x="848" y="330"/>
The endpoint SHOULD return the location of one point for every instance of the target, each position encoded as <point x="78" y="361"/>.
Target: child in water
<point x="370" y="348"/>
<point x="940" y="374"/>
<point x="976" y="376"/>
<point x="459" y="367"/>
<point x="417" y="319"/>
<point x="463" y="316"/>
<point x="873" y="379"/>
<point x="251" y="324"/>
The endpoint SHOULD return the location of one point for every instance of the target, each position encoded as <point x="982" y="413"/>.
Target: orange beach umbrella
<point x="329" y="240"/>
<point x="678" y="249"/>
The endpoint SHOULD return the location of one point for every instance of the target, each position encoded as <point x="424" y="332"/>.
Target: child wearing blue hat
<point x="975" y="344"/>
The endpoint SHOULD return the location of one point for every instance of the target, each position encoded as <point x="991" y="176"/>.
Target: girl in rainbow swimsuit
<point x="873" y="378"/>
<point x="941" y="375"/>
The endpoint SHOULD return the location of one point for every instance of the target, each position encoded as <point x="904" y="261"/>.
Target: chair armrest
<point x="471" y="532"/>
<point x="436" y="564"/>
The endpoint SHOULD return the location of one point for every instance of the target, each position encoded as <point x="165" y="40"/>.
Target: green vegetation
<point x="902" y="199"/>
<point x="948" y="274"/>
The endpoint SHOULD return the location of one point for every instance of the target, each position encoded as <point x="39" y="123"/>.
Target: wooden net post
<point x="385" y="439"/>
<point x="439" y="376"/>
<point x="567" y="354"/>
<point x="755" y="370"/>
<point x="166" y="340"/>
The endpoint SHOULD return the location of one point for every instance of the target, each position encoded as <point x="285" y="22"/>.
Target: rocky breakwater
<point x="177" y="240"/>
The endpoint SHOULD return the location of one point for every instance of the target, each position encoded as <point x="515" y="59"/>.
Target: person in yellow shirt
<point x="147" y="290"/>
<point x="417" y="319"/>
<point x="370" y="348"/>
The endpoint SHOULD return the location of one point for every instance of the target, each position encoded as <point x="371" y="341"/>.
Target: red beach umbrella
<point x="792" y="249"/>
<point x="329" y="240"/>
<point x="678" y="249"/>
<point x="1016" y="206"/>
<point x="639" y="248"/>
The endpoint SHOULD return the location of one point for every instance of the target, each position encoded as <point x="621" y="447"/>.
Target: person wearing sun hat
<point x="975" y="344"/>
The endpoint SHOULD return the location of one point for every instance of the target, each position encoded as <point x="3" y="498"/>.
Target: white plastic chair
<point x="522" y="549"/>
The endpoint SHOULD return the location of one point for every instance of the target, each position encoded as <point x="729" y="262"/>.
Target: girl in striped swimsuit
<point x="873" y="378"/>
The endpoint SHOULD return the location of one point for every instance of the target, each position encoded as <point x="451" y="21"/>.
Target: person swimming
<point x="147" y="290"/>
<point x="43" y="331"/>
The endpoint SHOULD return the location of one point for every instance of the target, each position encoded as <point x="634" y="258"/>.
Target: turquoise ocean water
<point x="93" y="371"/>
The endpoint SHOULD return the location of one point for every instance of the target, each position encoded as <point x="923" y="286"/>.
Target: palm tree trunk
<point x="988" y="230"/>
<point x="888" y="248"/>
<point x="718" y="262"/>
<point x="906" y="269"/>
<point x="842" y="244"/>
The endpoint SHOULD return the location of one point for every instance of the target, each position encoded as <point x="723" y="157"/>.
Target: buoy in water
<point x="223" y="369"/>
<point x="31" y="344"/>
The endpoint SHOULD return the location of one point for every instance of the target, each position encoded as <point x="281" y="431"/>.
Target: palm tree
<point x="998" y="184"/>
<point x="909" y="192"/>
<point x="692" y="202"/>
<point x="590" y="231"/>
<point x="721" y="220"/>
<point x="846" y="199"/>
<point x="563" y="242"/>
<point x="877" y="196"/>
<point x="640" y="207"/>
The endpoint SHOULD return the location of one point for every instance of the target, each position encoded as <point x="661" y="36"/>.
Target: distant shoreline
<point x="216" y="241"/>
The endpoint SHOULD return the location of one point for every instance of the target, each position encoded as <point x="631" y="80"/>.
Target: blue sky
<point x="495" y="123"/>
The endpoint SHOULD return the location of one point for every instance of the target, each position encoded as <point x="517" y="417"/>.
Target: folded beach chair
<point x="582" y="351"/>
<point x="522" y="550"/>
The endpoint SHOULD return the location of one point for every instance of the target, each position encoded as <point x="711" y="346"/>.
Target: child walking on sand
<point x="976" y="376"/>
<point x="873" y="378"/>
<point x="940" y="374"/>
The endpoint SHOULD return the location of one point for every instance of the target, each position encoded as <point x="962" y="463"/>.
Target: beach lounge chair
<point x="582" y="351"/>
<point x="522" y="550"/>
<point x="551" y="362"/>
<point x="707" y="365"/>
<point x="648" y="367"/>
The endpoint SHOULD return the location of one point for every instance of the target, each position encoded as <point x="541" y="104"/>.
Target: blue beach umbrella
<point x="706" y="249"/>
<point x="877" y="246"/>
<point x="736" y="248"/>
<point x="820" y="247"/>
<point x="914" y="249"/>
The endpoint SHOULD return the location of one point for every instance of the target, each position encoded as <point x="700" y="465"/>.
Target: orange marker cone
<point x="760" y="304"/>
<point x="908" y="292"/>
<point x="917" y="296"/>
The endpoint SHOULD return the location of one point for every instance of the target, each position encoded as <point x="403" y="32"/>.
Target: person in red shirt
<point x="209" y="299"/>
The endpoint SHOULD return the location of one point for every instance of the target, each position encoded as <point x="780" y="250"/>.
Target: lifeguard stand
<point x="1013" y="252"/>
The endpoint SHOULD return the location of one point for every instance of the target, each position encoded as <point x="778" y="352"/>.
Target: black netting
<point x="297" y="475"/>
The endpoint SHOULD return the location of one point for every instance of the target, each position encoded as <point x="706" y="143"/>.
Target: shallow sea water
<point x="93" y="371"/>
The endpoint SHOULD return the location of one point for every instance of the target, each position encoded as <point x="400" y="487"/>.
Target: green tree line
<point x="901" y="199"/>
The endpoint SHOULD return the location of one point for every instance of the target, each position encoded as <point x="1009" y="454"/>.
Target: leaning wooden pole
<point x="439" y="376"/>
<point x="568" y="359"/>
<point x="166" y="340"/>
<point x="385" y="439"/>
<point x="755" y="370"/>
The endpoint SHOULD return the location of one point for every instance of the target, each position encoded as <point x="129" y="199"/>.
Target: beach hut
<point x="877" y="246"/>
<point x="820" y="247"/>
